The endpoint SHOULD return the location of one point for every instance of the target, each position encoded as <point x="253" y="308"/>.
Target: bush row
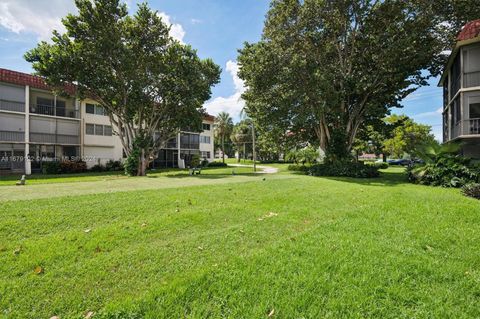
<point x="344" y="169"/>
<point x="298" y="168"/>
<point x="71" y="167"/>
<point x="217" y="164"/>
<point x="64" y="167"/>
<point x="110" y="166"/>
<point x="379" y="165"/>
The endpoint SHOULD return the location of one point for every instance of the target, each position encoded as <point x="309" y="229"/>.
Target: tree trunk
<point x="223" y="149"/>
<point x="142" y="165"/>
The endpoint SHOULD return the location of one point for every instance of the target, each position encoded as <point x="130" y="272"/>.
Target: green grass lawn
<point x="9" y="180"/>
<point x="242" y="246"/>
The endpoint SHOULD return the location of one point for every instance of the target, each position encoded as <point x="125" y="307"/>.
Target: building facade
<point x="38" y="126"/>
<point x="461" y="92"/>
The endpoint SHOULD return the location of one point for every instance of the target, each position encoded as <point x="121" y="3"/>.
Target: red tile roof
<point x="470" y="30"/>
<point x="33" y="81"/>
<point x="209" y="117"/>
<point x="37" y="82"/>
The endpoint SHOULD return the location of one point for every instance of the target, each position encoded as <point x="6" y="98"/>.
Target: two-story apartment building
<point x="461" y="91"/>
<point x="37" y="126"/>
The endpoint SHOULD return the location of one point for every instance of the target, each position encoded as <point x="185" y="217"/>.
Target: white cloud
<point x="429" y="115"/>
<point x="176" y="30"/>
<point x="39" y="17"/>
<point x="232" y="104"/>
<point x="196" y="21"/>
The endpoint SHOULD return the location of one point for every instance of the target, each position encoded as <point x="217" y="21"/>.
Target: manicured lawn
<point x="9" y="180"/>
<point x="246" y="246"/>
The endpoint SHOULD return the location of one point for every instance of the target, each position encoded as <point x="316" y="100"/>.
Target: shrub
<point x="204" y="163"/>
<point x="472" y="190"/>
<point x="217" y="164"/>
<point x="131" y="163"/>
<point x="114" y="166"/>
<point x="448" y="170"/>
<point x="64" y="167"/>
<point x="379" y="165"/>
<point x="51" y="167"/>
<point x="344" y="169"/>
<point x="68" y="167"/>
<point x="97" y="168"/>
<point x="195" y="162"/>
<point x="298" y="168"/>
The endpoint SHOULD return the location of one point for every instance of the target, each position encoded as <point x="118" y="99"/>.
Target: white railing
<point x="473" y="126"/>
<point x="52" y="111"/>
<point x="9" y="136"/>
<point x="12" y="106"/>
<point x="54" y="138"/>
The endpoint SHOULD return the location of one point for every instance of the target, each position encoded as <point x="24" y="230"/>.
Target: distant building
<point x="461" y="91"/>
<point x="41" y="126"/>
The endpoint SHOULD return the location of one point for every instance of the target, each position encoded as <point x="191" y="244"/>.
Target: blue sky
<point x="216" y="28"/>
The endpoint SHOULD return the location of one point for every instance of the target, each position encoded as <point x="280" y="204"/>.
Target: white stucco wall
<point x="208" y="147"/>
<point x="98" y="149"/>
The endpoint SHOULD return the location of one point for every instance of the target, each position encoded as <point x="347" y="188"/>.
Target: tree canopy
<point x="326" y="68"/>
<point x="150" y="84"/>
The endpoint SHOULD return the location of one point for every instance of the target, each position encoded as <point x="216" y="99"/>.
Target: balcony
<point x="472" y="127"/>
<point x="466" y="128"/>
<point x="54" y="138"/>
<point x="12" y="106"/>
<point x="54" y="111"/>
<point x="9" y="136"/>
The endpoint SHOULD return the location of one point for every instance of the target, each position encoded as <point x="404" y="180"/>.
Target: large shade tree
<point x="327" y="67"/>
<point x="150" y="84"/>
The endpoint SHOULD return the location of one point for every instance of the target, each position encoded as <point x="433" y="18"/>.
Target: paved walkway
<point x="265" y="169"/>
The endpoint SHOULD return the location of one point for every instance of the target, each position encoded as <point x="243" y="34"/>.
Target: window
<point x="99" y="110"/>
<point x="95" y="109"/>
<point x="189" y="141"/>
<point x="205" y="154"/>
<point x="90" y="129"/>
<point x="204" y="139"/>
<point x="98" y="129"/>
<point x="456" y="111"/>
<point x="206" y="127"/>
<point x="90" y="108"/>
<point x="474" y="110"/>
<point x="107" y="130"/>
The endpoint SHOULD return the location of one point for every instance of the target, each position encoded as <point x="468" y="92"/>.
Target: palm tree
<point x="223" y="127"/>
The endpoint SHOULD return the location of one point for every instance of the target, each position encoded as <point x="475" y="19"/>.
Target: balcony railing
<point x="54" y="138"/>
<point x="466" y="127"/>
<point x="472" y="127"/>
<point x="9" y="136"/>
<point x="54" y="111"/>
<point x="12" y="106"/>
<point x="471" y="79"/>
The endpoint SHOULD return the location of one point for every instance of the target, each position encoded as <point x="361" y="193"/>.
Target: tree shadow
<point x="209" y="176"/>
<point x="386" y="178"/>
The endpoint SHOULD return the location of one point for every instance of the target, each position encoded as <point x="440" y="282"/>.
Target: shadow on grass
<point x="208" y="176"/>
<point x="387" y="178"/>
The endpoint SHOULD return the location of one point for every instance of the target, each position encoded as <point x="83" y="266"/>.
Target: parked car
<point x="402" y="162"/>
